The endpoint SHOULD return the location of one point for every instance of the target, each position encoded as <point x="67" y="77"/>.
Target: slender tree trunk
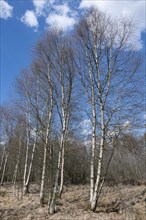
<point x="31" y="161"/>
<point x="35" y="139"/>
<point x="62" y="172"/>
<point x="4" y="169"/>
<point x="62" y="145"/>
<point x="17" y="165"/>
<point x="43" y="173"/>
<point x="60" y="165"/>
<point x="98" y="179"/>
<point x="65" y="114"/>
<point x="93" y="138"/>
<point x="66" y="120"/>
<point x="2" y="158"/>
<point x="25" y="187"/>
<point x="46" y="142"/>
<point x="100" y="159"/>
<point x="65" y="80"/>
<point x="50" y="173"/>
<point x="52" y="207"/>
<point x="94" y="197"/>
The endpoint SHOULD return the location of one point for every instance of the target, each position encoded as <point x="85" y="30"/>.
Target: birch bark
<point x="4" y="168"/>
<point x="60" y="164"/>
<point x="17" y="164"/>
<point x="25" y="187"/>
<point x="92" y="167"/>
<point x="46" y="140"/>
<point x="2" y="158"/>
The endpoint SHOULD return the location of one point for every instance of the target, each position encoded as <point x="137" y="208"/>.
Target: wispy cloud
<point x="39" y="6"/>
<point x="30" y="19"/>
<point x="5" y="10"/>
<point x="62" y="9"/>
<point x="86" y="127"/>
<point x="62" y="22"/>
<point x="134" y="9"/>
<point x="61" y="18"/>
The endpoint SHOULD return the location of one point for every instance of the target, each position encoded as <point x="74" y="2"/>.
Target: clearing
<point x="116" y="203"/>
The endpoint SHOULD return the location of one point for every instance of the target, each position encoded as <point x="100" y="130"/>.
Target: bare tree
<point x="102" y="53"/>
<point x="107" y="66"/>
<point x="6" y="131"/>
<point x="26" y="91"/>
<point x="49" y="115"/>
<point x="27" y="86"/>
<point x="64" y="73"/>
<point x="18" y="158"/>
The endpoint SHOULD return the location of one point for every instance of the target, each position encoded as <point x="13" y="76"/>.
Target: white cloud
<point x="62" y="9"/>
<point x="127" y="124"/>
<point x="2" y="143"/>
<point x="132" y="8"/>
<point x="39" y="6"/>
<point x="5" y="9"/>
<point x="30" y="19"/>
<point x="60" y="17"/>
<point x="86" y="127"/>
<point x="62" y="22"/>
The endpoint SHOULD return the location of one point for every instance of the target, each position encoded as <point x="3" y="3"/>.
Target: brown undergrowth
<point x="116" y="203"/>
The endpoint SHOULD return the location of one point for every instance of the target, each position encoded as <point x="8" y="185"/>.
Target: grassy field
<point x="116" y="203"/>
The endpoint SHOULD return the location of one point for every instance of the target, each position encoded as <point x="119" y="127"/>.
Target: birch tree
<point x="25" y="185"/>
<point x="19" y="134"/>
<point x="28" y="88"/>
<point x="34" y="96"/>
<point x="6" y="132"/>
<point x="54" y="54"/>
<point x="64" y="74"/>
<point x="48" y="126"/>
<point x="107" y="66"/>
<point x="45" y="70"/>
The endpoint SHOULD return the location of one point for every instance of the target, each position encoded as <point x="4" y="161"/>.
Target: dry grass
<point x="116" y="203"/>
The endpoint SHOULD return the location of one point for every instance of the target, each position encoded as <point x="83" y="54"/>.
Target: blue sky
<point x="23" y="22"/>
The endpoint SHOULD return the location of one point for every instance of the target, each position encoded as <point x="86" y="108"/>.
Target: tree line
<point x="91" y="74"/>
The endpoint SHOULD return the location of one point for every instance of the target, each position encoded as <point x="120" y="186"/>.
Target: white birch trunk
<point x="2" y="158"/>
<point x="93" y="139"/>
<point x="4" y="169"/>
<point x="44" y="169"/>
<point x="62" y="172"/>
<point x="66" y="90"/>
<point x="17" y="165"/>
<point x="25" y="187"/>
<point x="66" y="119"/>
<point x="46" y="142"/>
<point x="35" y="140"/>
<point x="62" y="145"/>
<point x="92" y="101"/>
<point x="50" y="173"/>
<point x="98" y="178"/>
<point x="60" y="164"/>
<point x="31" y="161"/>
<point x="52" y="206"/>
<point x="65" y="115"/>
<point x="96" y="191"/>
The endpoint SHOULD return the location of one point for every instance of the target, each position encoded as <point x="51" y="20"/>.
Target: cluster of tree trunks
<point x="98" y="62"/>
